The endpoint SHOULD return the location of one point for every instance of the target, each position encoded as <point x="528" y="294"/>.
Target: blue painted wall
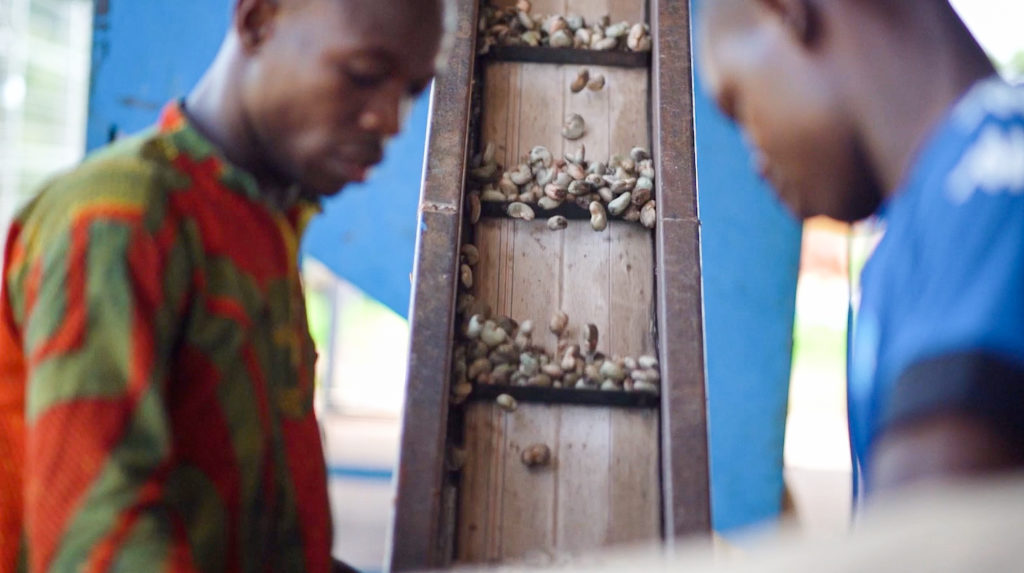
<point x="147" y="53"/>
<point x="751" y="255"/>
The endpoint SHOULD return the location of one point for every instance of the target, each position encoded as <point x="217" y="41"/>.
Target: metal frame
<point x="680" y="308"/>
<point x="419" y="536"/>
<point x="416" y="536"/>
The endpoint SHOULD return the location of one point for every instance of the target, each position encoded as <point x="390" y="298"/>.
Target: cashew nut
<point x="470" y="254"/>
<point x="619" y="205"/>
<point x="474" y="208"/>
<point x="574" y="127"/>
<point x="541" y="155"/>
<point x="558" y="323"/>
<point x="647" y="362"/>
<point x="506" y="402"/>
<point x="557" y="223"/>
<point x="519" y="210"/>
<point x="598" y="217"/>
<point x="588" y="338"/>
<point x="649" y="215"/>
<point x="581" y="81"/>
<point x="536" y="455"/>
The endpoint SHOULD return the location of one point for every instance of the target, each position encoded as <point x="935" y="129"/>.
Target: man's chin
<point x="855" y="208"/>
<point x="323" y="191"/>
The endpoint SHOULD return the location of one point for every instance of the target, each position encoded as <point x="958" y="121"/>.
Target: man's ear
<point x="800" y="17"/>
<point x="254" y="21"/>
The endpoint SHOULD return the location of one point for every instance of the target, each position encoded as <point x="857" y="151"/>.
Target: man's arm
<point x="955" y="416"/>
<point x="12" y="431"/>
<point x="97" y="345"/>
<point x="948" y="445"/>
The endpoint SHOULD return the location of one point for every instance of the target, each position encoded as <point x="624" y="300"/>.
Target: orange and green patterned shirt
<point x="156" y="371"/>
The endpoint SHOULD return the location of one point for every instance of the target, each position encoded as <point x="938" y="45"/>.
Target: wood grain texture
<point x="484" y="441"/>
<point x="603" y="485"/>
<point x="600" y="489"/>
<point x="524" y="106"/>
<point x="584" y="483"/>
<point x="634" y="501"/>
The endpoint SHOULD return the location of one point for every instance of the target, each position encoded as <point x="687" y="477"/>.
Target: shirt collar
<point x="186" y="139"/>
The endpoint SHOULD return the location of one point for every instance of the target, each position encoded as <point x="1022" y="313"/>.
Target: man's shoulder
<point x="966" y="188"/>
<point x="971" y="172"/>
<point x="984" y="141"/>
<point x="128" y="180"/>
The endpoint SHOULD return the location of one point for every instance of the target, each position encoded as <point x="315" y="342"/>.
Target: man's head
<point x="772" y="67"/>
<point x="323" y="84"/>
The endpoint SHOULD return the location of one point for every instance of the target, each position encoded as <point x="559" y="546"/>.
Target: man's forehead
<point x="407" y="30"/>
<point x="392" y="13"/>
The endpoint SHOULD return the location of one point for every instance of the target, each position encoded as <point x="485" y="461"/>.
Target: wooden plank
<point x="584" y="453"/>
<point x="484" y="443"/>
<point x="632" y="290"/>
<point x="479" y="530"/>
<point x="527" y="495"/>
<point x="500" y="120"/>
<point x="593" y="107"/>
<point x="586" y="282"/>
<point x="542" y="107"/>
<point x="629" y="106"/>
<point x="528" y="272"/>
<point x="415" y="534"/>
<point x="631" y="11"/>
<point x="685" y="479"/>
<point x="634" y="500"/>
<point x="536" y="262"/>
<point x="527" y="520"/>
<point x="539" y="6"/>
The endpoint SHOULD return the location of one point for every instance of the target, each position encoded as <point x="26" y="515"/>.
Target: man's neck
<point x="905" y="78"/>
<point x="215" y="109"/>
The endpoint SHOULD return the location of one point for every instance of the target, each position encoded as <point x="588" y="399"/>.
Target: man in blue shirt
<point x="857" y="108"/>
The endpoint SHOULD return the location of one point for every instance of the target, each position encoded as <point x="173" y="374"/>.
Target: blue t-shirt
<point x="947" y="279"/>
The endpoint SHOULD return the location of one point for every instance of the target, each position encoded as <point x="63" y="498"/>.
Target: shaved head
<point x="770" y="66"/>
<point x="835" y="95"/>
<point x="305" y="94"/>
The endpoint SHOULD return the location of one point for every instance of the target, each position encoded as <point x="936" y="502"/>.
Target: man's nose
<point x="383" y="114"/>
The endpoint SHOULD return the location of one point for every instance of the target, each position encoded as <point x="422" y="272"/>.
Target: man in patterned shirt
<point x="156" y="370"/>
<point x="890" y="108"/>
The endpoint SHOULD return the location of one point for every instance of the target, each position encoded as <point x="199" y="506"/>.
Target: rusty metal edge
<point x="685" y="471"/>
<point x="416" y="537"/>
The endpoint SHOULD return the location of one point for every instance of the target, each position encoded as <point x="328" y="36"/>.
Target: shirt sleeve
<point x="97" y="334"/>
<point x="12" y="434"/>
<point x="960" y="340"/>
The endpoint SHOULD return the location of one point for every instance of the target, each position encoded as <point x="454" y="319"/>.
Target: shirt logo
<point x="994" y="164"/>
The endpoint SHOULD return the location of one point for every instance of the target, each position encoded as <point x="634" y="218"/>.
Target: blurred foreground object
<point x="967" y="526"/>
